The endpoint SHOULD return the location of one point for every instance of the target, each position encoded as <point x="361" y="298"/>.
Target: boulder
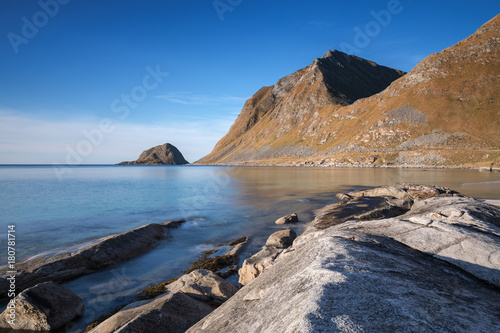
<point x="172" y="313"/>
<point x="87" y="259"/>
<point x="205" y="286"/>
<point x="256" y="264"/>
<point x="188" y="300"/>
<point x="44" y="307"/>
<point x="435" y="267"/>
<point x="281" y="239"/>
<point x="292" y="218"/>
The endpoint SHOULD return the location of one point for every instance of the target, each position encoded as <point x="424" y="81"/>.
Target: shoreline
<point x="339" y="166"/>
<point x="365" y="234"/>
<point x="304" y="233"/>
<point x="249" y="164"/>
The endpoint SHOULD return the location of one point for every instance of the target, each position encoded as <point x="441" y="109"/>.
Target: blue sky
<point x="100" y="81"/>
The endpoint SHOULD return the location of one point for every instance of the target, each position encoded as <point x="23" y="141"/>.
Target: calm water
<point x="220" y="204"/>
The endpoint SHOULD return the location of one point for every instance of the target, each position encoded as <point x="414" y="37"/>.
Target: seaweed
<point x="212" y="264"/>
<point x="154" y="291"/>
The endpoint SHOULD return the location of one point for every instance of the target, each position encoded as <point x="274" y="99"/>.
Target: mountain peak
<point x="337" y="79"/>
<point x="330" y="53"/>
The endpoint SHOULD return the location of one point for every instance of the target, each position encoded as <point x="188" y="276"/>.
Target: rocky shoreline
<point x="406" y="258"/>
<point x="101" y="254"/>
<point x="348" y="165"/>
<point x="393" y="258"/>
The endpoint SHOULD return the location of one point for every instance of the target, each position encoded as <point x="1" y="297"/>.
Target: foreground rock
<point x="44" y="307"/>
<point x="292" y="218"/>
<point x="189" y="299"/>
<point x="256" y="264"/>
<point x="104" y="253"/>
<point x="435" y="267"/>
<point x="165" y="154"/>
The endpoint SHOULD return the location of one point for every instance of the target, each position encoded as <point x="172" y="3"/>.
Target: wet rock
<point x="44" y="307"/>
<point x="104" y="253"/>
<point x="292" y="218"/>
<point x="406" y="191"/>
<point x="360" y="208"/>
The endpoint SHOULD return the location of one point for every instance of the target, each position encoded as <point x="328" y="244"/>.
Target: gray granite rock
<point x="44" y="307"/>
<point x="281" y="239"/>
<point x="188" y="300"/>
<point x="256" y="264"/>
<point x="292" y="218"/>
<point x="434" y="268"/>
<point x="205" y="286"/>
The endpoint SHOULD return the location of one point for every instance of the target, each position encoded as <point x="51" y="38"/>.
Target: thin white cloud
<point x="25" y="139"/>
<point x="189" y="98"/>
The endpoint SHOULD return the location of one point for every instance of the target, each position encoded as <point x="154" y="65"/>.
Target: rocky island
<point x="165" y="154"/>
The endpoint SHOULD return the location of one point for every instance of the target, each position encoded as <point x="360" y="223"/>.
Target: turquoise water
<point x="220" y="204"/>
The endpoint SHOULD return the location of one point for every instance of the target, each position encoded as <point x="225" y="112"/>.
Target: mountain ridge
<point x="326" y="81"/>
<point x="442" y="113"/>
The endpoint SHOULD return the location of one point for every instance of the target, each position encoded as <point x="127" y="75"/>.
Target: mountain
<point x="165" y="154"/>
<point x="262" y="130"/>
<point x="343" y="110"/>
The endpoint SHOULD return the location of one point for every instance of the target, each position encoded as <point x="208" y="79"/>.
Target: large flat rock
<point x="433" y="268"/>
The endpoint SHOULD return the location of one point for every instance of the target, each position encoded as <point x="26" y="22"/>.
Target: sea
<point x="55" y="211"/>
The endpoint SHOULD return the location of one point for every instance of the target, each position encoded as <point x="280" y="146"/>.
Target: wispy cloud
<point x="189" y="98"/>
<point x="25" y="139"/>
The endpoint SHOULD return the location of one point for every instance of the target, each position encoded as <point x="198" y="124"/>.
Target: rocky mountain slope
<point x="268" y="116"/>
<point x="165" y="154"/>
<point x="444" y="112"/>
